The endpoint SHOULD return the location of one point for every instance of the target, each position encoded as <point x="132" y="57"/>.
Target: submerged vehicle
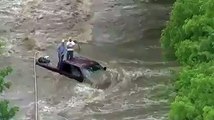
<point x="77" y="68"/>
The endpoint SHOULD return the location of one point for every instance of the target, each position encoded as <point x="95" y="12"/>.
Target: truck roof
<point x="81" y="62"/>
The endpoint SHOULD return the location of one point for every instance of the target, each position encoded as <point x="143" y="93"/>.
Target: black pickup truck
<point x="77" y="68"/>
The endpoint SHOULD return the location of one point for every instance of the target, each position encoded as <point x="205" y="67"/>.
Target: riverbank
<point x="189" y="37"/>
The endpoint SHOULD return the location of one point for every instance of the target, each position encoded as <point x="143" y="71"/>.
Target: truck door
<point x="76" y="72"/>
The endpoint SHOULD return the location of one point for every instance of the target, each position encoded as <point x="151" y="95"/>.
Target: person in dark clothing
<point x="61" y="52"/>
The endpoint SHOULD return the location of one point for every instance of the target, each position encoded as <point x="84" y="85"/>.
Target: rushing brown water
<point x="121" y="34"/>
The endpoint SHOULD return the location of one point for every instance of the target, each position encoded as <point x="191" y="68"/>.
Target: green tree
<point x="189" y="36"/>
<point x="6" y="112"/>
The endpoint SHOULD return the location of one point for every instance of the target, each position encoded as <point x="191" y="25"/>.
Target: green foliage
<point x="3" y="74"/>
<point x="191" y="27"/>
<point x="189" y="36"/>
<point x="195" y="87"/>
<point x="208" y="113"/>
<point x="6" y="112"/>
<point x="182" y="109"/>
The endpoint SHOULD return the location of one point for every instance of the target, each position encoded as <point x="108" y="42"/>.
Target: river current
<point x="123" y="35"/>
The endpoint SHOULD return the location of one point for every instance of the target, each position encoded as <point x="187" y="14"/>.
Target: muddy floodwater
<point x="122" y="35"/>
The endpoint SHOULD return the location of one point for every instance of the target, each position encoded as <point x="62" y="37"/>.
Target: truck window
<point x="93" y="68"/>
<point x="76" y="71"/>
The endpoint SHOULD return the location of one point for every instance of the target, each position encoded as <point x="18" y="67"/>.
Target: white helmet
<point x="63" y="40"/>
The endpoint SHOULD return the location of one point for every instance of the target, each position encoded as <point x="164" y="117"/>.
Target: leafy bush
<point x="208" y="113"/>
<point x="191" y="30"/>
<point x="6" y="112"/>
<point x="195" y="90"/>
<point x="189" y="36"/>
<point x="182" y="109"/>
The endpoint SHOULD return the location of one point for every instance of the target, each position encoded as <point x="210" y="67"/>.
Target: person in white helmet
<point x="70" y="48"/>
<point x="61" y="51"/>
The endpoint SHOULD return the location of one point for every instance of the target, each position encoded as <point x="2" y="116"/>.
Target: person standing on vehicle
<point x="70" y="49"/>
<point x="61" y="51"/>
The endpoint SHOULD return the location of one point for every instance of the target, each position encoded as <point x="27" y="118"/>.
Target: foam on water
<point x="125" y="92"/>
<point x="85" y="95"/>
